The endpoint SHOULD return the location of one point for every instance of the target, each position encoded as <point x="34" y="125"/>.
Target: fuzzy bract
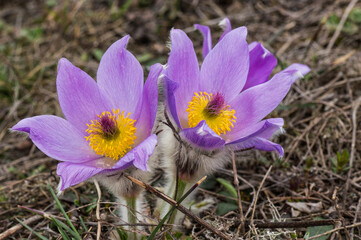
<point x="108" y="123"/>
<point x="224" y="102"/>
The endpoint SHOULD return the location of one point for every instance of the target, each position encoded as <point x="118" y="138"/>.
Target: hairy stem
<point x="181" y="186"/>
<point x="129" y="215"/>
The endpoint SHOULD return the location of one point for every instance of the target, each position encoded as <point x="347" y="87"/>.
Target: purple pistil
<point x="215" y="105"/>
<point x="109" y="127"/>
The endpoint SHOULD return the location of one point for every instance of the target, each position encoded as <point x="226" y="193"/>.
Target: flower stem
<point x="181" y="186"/>
<point x="128" y="209"/>
<point x="174" y="189"/>
<point x="173" y="208"/>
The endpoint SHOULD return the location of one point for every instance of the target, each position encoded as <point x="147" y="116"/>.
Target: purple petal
<point x="57" y="138"/>
<point x="170" y="87"/>
<point x="139" y="155"/>
<point x="226" y="26"/>
<point x="207" y="38"/>
<point x="225" y="68"/>
<point x="252" y="45"/>
<point x="271" y="127"/>
<point x="261" y="64"/>
<point x="79" y="95"/>
<point x="258" y="143"/>
<point x="264" y="129"/>
<point x="255" y="103"/>
<point x="301" y="70"/>
<point x="72" y="174"/>
<point x="203" y="136"/>
<point x="149" y="104"/>
<point x="183" y="69"/>
<point x="120" y="77"/>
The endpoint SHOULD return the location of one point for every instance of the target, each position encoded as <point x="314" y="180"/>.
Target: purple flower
<point x="107" y="125"/>
<point x="224" y="103"/>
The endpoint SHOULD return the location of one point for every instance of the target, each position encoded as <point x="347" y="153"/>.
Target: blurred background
<point x="322" y="139"/>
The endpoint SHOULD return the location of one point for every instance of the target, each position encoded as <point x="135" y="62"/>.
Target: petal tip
<point x="280" y="150"/>
<point x="225" y="24"/>
<point x="20" y="127"/>
<point x="60" y="188"/>
<point x="63" y="62"/>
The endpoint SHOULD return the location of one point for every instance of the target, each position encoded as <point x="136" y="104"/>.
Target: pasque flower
<point x="222" y="105"/>
<point x="218" y="108"/>
<point x="108" y="123"/>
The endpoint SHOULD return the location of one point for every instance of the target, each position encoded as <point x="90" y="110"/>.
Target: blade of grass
<point x="83" y="224"/>
<point x="65" y="227"/>
<point x="152" y="235"/>
<point x="32" y="230"/>
<point x="61" y="230"/>
<point x="64" y="213"/>
<point x="228" y="186"/>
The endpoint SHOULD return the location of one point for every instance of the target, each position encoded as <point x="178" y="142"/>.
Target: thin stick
<point x="236" y="183"/>
<point x="258" y="191"/>
<point x="341" y="24"/>
<point x="17" y="227"/>
<point x="179" y="207"/>
<point x="299" y="224"/>
<point x="334" y="199"/>
<point x="98" y="208"/>
<point x="356" y="105"/>
<point x="356" y="215"/>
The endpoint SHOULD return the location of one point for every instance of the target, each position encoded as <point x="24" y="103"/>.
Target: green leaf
<point x="144" y="57"/>
<point x="32" y="230"/>
<point x="63" y="234"/>
<point x="50" y="3"/>
<point x="313" y="231"/>
<point x="209" y="183"/>
<point x="355" y="15"/>
<point x="228" y="195"/>
<point x="97" y="53"/>
<point x="76" y="234"/>
<point x="32" y="34"/>
<point x="228" y="186"/>
<point x="122" y="234"/>
<point x="62" y="226"/>
<point x="83" y="224"/>
<point x="223" y="208"/>
<point x="181" y="184"/>
<point x="90" y="207"/>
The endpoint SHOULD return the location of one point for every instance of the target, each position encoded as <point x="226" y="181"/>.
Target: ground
<point x="319" y="177"/>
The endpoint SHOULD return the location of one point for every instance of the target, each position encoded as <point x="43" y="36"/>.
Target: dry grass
<point x="321" y="111"/>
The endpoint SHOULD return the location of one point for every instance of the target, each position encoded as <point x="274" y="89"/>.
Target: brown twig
<point x="175" y="204"/>
<point x="341" y="24"/>
<point x="334" y="199"/>
<point x="356" y="216"/>
<point x="299" y="224"/>
<point x="355" y="107"/>
<point x="236" y="183"/>
<point x="19" y="226"/>
<point x="98" y="209"/>
<point x="258" y="191"/>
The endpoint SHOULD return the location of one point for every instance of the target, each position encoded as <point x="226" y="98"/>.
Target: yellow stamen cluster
<point x="220" y="123"/>
<point x="112" y="134"/>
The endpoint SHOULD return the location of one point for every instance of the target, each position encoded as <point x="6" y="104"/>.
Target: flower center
<point x="211" y="108"/>
<point x="111" y="134"/>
